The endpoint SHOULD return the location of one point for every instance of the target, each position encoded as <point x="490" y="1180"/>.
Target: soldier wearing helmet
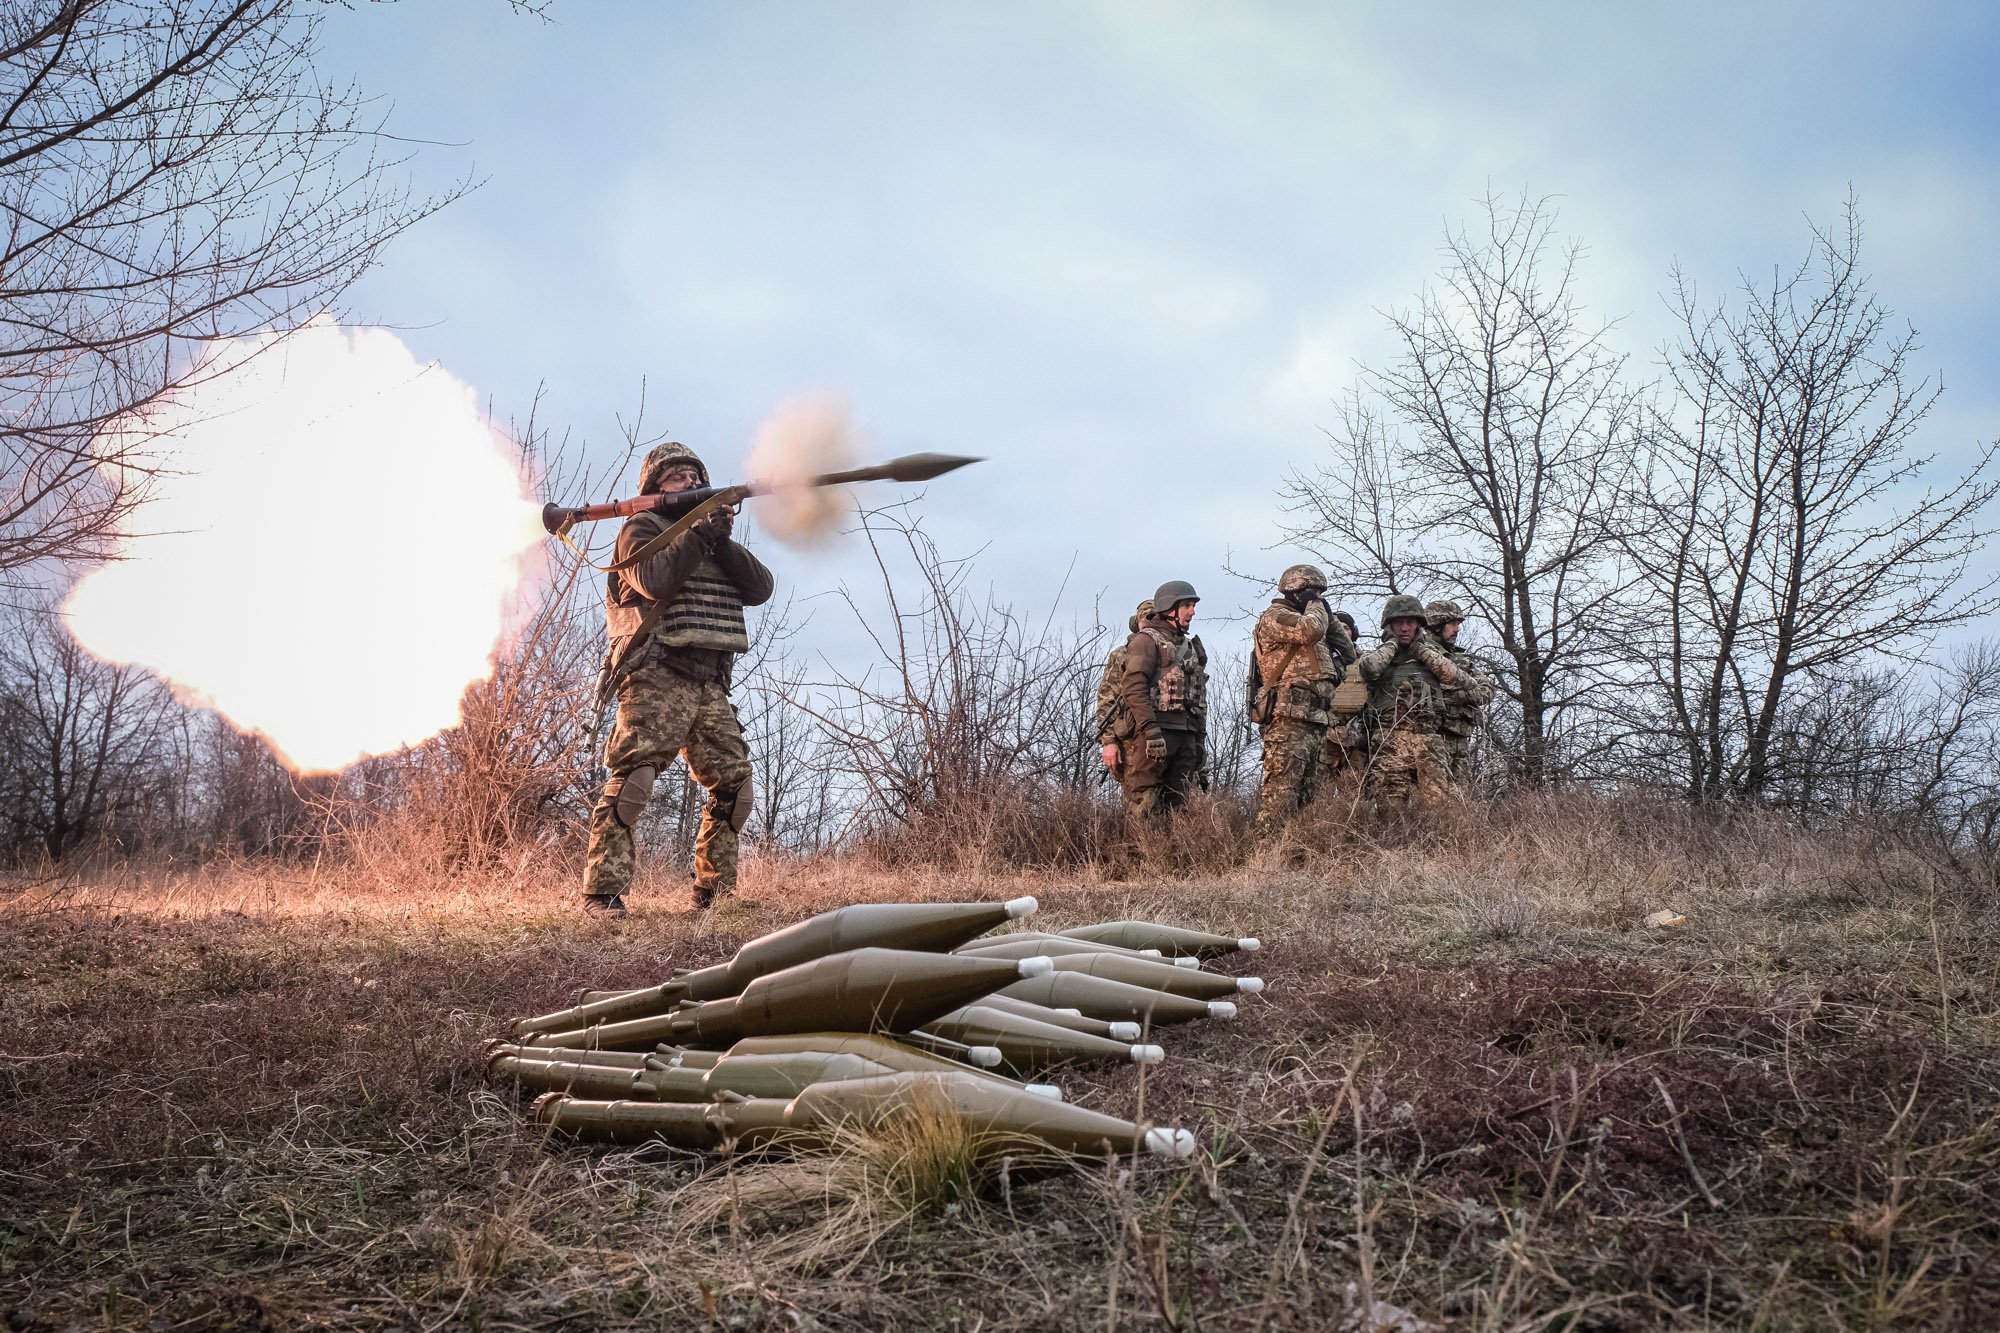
<point x="1407" y="676"/>
<point x="681" y="610"/>
<point x="1298" y="657"/>
<point x="1156" y="741"/>
<point x="1458" y="713"/>
<point x="1108" y="683"/>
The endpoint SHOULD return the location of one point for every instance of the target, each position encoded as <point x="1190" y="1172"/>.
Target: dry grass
<point x="1477" y="1089"/>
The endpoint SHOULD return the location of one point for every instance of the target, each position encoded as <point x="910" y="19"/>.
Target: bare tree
<point x="170" y="171"/>
<point x="1484" y="463"/>
<point x="1790" y="538"/>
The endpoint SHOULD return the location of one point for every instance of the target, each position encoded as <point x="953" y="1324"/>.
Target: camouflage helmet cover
<point x="1172" y="593"/>
<point x="1402" y="606"/>
<point x="1440" y="613"/>
<point x="1300" y="577"/>
<point x="663" y="456"/>
<point x="1145" y="609"/>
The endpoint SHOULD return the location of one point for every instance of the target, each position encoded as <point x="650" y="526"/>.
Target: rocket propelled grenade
<point x="1101" y="997"/>
<point x="1174" y="940"/>
<point x="1158" y="975"/>
<point x="924" y="927"/>
<point x="888" y="1052"/>
<point x="862" y="990"/>
<point x="559" y="519"/>
<point x="1020" y="944"/>
<point x="1029" y="1043"/>
<point x="1120" y="1030"/>
<point x="817" y="1115"/>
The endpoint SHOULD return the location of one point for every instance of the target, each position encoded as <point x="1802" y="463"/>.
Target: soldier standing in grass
<point x="1459" y="713"/>
<point x="1298" y="657"/>
<point x="676" y="627"/>
<point x="1159" y="734"/>
<point x="1407" y="676"/>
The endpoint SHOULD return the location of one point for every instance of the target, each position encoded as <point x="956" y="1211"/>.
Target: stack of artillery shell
<point x="866" y="1012"/>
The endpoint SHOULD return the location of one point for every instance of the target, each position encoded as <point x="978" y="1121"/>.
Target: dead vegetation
<point x="1478" y="1093"/>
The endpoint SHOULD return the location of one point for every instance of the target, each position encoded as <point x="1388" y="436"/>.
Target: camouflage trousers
<point x="1294" y="751"/>
<point x="1458" y="757"/>
<point x="1155" y="786"/>
<point x="1407" y="767"/>
<point x="662" y="714"/>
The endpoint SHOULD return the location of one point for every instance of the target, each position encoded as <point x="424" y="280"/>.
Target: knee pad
<point x="630" y="793"/>
<point x="731" y="806"/>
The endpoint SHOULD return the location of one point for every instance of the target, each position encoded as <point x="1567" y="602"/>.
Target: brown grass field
<point x="1478" y="1091"/>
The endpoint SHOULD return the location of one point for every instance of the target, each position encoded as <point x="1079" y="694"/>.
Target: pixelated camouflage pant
<point x="660" y="715"/>
<point x="1294" y="750"/>
<point x="1407" y="767"/>
<point x="1155" y="786"/>
<point x="1458" y="757"/>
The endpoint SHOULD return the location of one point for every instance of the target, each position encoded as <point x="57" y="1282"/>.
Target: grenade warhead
<point x="1024" y="944"/>
<point x="924" y="927"/>
<point x="1074" y="1020"/>
<point x="862" y="990"/>
<point x="1028" y="1043"/>
<point x="816" y="1115"/>
<point x="885" y="1051"/>
<point x="1174" y="940"/>
<point x="1150" y="972"/>
<point x="1101" y="997"/>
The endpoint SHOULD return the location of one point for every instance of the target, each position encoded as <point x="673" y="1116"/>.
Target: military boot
<point x="603" y="904"/>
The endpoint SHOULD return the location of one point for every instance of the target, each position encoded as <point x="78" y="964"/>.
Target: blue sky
<point x="1131" y="252"/>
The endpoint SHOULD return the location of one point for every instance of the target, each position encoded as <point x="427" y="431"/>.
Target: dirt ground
<point x="1478" y="1093"/>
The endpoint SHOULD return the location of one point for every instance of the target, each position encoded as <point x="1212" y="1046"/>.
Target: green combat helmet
<point x="1172" y="593"/>
<point x="1402" y="606"/>
<point x="1440" y="613"/>
<point x="1301" y="578"/>
<point x="663" y="456"/>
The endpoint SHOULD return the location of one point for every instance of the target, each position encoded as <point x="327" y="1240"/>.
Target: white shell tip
<point x="1175" y="1143"/>
<point x="1221" y="1009"/>
<point x="1124" y="1031"/>
<point x="1250" y="945"/>
<point x="1249" y="985"/>
<point x="1148" y="1055"/>
<point x="1020" y="907"/>
<point x="1048" y="1090"/>
<point x="984" y="1056"/>
<point x="1037" y="966"/>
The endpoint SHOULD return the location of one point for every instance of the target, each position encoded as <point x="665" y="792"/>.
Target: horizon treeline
<point x="1721" y="578"/>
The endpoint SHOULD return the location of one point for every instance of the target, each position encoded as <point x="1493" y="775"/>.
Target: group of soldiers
<point x="674" y="607"/>
<point x="1404" y="737"/>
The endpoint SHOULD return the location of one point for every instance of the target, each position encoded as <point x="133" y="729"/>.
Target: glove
<point x="1156" y="747"/>
<point x="716" y="527"/>
<point x="1437" y="664"/>
<point x="1376" y="660"/>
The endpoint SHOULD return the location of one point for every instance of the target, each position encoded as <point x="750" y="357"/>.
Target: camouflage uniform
<point x="1407" y="762"/>
<point x="1459" y="713"/>
<point x="1114" y="676"/>
<point x="1296" y="669"/>
<point x="675" y="698"/>
<point x="1163" y="700"/>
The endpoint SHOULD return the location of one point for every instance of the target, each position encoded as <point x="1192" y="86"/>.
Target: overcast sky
<point x="1130" y="252"/>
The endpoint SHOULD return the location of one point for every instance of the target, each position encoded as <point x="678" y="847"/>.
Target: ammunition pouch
<point x="630" y="794"/>
<point x="1304" y="701"/>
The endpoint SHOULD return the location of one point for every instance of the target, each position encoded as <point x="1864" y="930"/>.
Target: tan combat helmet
<point x="1402" y="606"/>
<point x="1301" y="578"/>
<point x="1440" y="613"/>
<point x="1145" y="609"/>
<point x="663" y="456"/>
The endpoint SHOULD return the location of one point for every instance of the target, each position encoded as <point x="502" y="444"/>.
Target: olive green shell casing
<point x="923" y="927"/>
<point x="1025" y="943"/>
<point x="1028" y="1043"/>
<point x="1101" y="997"/>
<point x="1117" y="1030"/>
<point x="1174" y="941"/>
<point x="816" y="1115"/>
<point x="887" y="1052"/>
<point x="1191" y="982"/>
<point x="862" y="990"/>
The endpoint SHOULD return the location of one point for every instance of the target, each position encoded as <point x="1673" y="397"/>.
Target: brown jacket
<point x="1145" y="659"/>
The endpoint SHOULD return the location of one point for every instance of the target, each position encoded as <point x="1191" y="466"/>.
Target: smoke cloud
<point x="805" y="437"/>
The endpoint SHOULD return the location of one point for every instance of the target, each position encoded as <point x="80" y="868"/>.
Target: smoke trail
<point x="804" y="437"/>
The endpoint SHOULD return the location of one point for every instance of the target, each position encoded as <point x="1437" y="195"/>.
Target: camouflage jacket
<point x="1460" y="703"/>
<point x="1165" y="684"/>
<point x="1406" y="685"/>
<point x="1294" y="665"/>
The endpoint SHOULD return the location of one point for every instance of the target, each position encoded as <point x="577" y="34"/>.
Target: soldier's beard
<point x="264" y="591"/>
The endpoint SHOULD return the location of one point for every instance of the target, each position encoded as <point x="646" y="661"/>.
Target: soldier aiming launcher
<point x="559" y="519"/>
